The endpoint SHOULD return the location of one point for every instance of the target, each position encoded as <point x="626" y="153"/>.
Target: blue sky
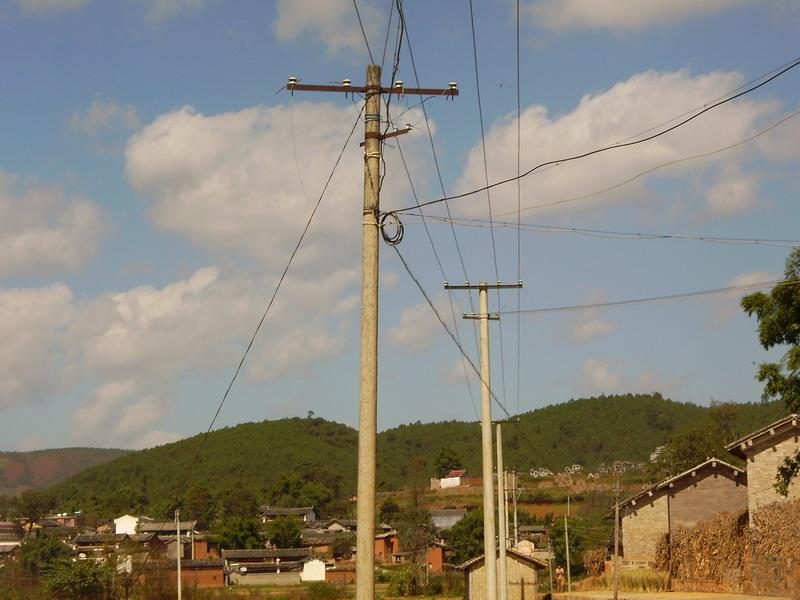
<point x="150" y="198"/>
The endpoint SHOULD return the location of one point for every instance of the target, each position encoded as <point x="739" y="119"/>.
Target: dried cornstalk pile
<point x="594" y="561"/>
<point x="776" y="531"/>
<point x="706" y="551"/>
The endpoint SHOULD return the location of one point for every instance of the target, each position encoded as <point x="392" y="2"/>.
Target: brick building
<point x="695" y="495"/>
<point x="764" y="450"/>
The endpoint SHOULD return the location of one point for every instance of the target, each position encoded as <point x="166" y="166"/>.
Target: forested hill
<point x="298" y="461"/>
<point x="42" y="468"/>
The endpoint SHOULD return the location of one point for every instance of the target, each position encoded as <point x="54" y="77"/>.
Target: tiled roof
<point x="788" y="422"/>
<point x="266" y="553"/>
<point x="667" y="483"/>
<point x="268" y="511"/>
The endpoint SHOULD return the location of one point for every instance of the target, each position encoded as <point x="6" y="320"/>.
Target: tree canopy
<point x="778" y="315"/>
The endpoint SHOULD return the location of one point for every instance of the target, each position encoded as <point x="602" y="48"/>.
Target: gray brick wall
<point x="642" y="525"/>
<point x="762" y="465"/>
<point x="703" y="497"/>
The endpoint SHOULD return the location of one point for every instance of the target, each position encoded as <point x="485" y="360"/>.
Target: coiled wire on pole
<point x="391" y="222"/>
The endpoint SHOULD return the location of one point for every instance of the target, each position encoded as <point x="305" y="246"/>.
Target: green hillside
<point x="314" y="461"/>
<point x="42" y="468"/>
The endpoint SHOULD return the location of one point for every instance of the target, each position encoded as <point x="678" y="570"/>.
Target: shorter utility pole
<point x="616" y="541"/>
<point x="489" y="548"/>
<point x="179" y="550"/>
<point x="502" y="572"/>
<point x="566" y="543"/>
<point x="515" y="497"/>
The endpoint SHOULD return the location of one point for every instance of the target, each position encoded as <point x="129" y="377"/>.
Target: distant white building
<point x="128" y="524"/>
<point x="313" y="570"/>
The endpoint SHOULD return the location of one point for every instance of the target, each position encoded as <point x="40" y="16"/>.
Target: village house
<point x="303" y="513"/>
<point x="764" y="450"/>
<point x="695" y="495"/>
<point x="389" y="551"/>
<point x="522" y="576"/>
<point x="129" y="523"/>
<point x="205" y="573"/>
<point x="278" y="566"/>
<point x="453" y="479"/>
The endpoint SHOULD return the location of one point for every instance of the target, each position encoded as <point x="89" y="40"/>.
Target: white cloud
<point x="607" y="117"/>
<point x="37" y="7"/>
<point x="733" y="193"/>
<point x="418" y="328"/>
<point x="726" y="306"/>
<point x="599" y="376"/>
<point x="32" y="327"/>
<point x="620" y="15"/>
<point x="587" y="328"/>
<point x="42" y="228"/>
<point x="330" y="22"/>
<point x="105" y="115"/>
<point x="116" y="414"/>
<point x="227" y="181"/>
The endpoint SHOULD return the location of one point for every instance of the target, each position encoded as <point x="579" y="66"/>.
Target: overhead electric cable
<point x="401" y="16"/>
<point x="271" y="301"/>
<point x="488" y="193"/>
<point x="519" y="204"/>
<point x="617" y="146"/>
<point x="447" y="329"/>
<point x="444" y="276"/>
<point x="624" y="235"/>
<point x="363" y="31"/>
<point x="666" y="298"/>
<point x="633" y="178"/>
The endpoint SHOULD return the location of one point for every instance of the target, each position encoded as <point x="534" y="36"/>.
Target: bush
<point x="408" y="581"/>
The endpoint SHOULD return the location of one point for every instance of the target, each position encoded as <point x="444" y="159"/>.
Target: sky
<point x="155" y="175"/>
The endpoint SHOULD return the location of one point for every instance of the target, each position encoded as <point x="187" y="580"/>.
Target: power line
<point x="486" y="179"/>
<point x="663" y="165"/>
<point x="641" y="174"/>
<point x="363" y="31"/>
<point x="619" y="145"/>
<point x="444" y="276"/>
<point x="624" y="235"/>
<point x="446" y="328"/>
<point x="666" y="298"/>
<point x="263" y="315"/>
<point x="402" y="18"/>
<point x="519" y="201"/>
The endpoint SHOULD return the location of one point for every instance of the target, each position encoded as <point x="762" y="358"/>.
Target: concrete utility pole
<point x="616" y="541"/>
<point x="566" y="543"/>
<point x="179" y="550"/>
<point x="368" y="403"/>
<point x="515" y="496"/>
<point x="502" y="574"/>
<point x="486" y="426"/>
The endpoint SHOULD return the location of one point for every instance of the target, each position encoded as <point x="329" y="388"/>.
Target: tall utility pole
<point x="179" y="550"/>
<point x="616" y="541"/>
<point x="502" y="574"/>
<point x="368" y="403"/>
<point x="486" y="426"/>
